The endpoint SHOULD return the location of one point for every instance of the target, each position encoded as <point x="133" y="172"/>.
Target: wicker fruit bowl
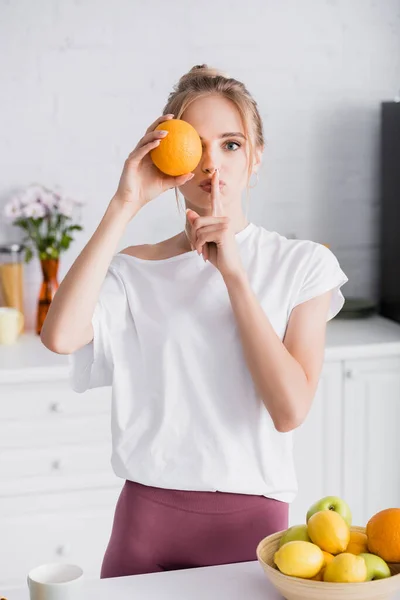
<point x="295" y="588"/>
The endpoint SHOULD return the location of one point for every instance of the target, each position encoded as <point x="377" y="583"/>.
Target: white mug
<point x="55" y="581"/>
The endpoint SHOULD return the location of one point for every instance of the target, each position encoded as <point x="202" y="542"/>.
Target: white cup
<point x="55" y="581"/>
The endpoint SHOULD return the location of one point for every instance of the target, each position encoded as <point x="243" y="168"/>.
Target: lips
<point x="206" y="185"/>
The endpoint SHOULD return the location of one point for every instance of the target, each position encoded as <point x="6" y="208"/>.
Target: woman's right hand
<point x="141" y="181"/>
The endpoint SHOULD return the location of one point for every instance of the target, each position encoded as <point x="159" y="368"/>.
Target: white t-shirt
<point x="185" y="411"/>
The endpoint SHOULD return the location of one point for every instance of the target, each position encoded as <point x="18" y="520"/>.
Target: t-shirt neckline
<point x="240" y="236"/>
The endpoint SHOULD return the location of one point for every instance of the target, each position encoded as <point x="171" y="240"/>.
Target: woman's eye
<point x="233" y="144"/>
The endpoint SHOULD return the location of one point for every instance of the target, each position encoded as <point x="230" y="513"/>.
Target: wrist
<point x="235" y="278"/>
<point x="122" y="210"/>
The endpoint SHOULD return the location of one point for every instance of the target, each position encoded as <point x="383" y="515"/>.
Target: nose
<point x="209" y="162"/>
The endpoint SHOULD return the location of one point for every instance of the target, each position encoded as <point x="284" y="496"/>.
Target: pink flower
<point x="35" y="210"/>
<point x="12" y="209"/>
<point x="66" y="207"/>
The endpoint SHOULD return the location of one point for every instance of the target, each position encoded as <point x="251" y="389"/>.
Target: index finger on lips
<point x="215" y="203"/>
<point x="158" y="121"/>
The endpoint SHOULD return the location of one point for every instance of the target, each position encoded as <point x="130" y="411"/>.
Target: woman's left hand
<point x="214" y="236"/>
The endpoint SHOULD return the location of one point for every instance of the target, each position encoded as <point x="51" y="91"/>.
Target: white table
<point x="240" y="581"/>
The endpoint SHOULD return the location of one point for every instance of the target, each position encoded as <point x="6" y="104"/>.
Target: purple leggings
<point x="158" y="529"/>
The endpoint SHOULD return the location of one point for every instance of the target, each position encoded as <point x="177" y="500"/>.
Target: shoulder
<point x="288" y="250"/>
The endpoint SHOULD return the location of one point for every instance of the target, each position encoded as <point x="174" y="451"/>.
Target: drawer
<point x="52" y="400"/>
<point x="55" y="462"/>
<point x="78" y="537"/>
<point x="50" y="484"/>
<point x="96" y="497"/>
<point x="41" y="433"/>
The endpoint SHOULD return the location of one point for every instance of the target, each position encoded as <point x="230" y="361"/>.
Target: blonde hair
<point x="203" y="80"/>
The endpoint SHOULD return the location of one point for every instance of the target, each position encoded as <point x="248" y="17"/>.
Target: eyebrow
<point x="230" y="134"/>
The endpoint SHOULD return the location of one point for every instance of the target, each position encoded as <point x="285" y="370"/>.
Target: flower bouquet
<point x="48" y="220"/>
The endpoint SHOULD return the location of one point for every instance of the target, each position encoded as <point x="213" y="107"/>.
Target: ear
<point x="257" y="158"/>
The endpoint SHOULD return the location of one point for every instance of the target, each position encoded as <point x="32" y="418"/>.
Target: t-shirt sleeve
<point x="92" y="365"/>
<point x="323" y="274"/>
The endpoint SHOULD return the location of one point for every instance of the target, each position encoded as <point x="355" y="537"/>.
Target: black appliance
<point x="389" y="260"/>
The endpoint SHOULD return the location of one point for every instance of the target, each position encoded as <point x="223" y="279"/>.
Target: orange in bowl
<point x="180" y="151"/>
<point x="383" y="533"/>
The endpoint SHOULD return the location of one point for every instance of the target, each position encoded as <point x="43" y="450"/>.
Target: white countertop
<point x="240" y="581"/>
<point x="29" y="360"/>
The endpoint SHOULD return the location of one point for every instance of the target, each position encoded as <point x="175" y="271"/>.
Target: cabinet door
<point x="371" y="436"/>
<point x="78" y="534"/>
<point x="318" y="445"/>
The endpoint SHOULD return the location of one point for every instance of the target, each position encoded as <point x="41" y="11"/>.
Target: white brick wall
<point x="81" y="80"/>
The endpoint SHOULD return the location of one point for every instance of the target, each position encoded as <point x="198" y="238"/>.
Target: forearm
<point x="68" y="323"/>
<point x="278" y="377"/>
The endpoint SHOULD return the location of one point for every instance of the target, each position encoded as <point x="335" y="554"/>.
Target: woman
<point x="212" y="340"/>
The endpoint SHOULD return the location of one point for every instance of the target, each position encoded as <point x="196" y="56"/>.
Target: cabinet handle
<point x="63" y="550"/>
<point x="57" y="464"/>
<point x="349" y="374"/>
<point x="56" y="407"/>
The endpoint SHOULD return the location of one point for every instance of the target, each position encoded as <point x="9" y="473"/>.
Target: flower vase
<point x="48" y="289"/>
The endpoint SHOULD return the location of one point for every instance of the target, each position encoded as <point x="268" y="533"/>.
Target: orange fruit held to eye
<point x="180" y="151"/>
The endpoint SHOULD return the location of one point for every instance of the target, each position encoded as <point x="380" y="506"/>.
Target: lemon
<point x="328" y="530"/>
<point x="327" y="559"/>
<point x="299" y="559"/>
<point x="346" y="568"/>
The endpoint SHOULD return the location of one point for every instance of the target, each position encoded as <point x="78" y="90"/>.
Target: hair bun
<point x="208" y="71"/>
<point x="199" y="71"/>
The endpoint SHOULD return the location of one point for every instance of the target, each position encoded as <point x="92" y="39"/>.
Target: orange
<point x="358" y="543"/>
<point x="180" y="151"/>
<point x="383" y="532"/>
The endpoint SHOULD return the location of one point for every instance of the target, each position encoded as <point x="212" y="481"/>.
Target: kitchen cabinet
<point x="371" y="435"/>
<point x="317" y="445"/>
<point x="348" y="442"/>
<point x="57" y="488"/>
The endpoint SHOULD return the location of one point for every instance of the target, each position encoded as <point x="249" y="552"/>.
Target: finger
<point x="182" y="179"/>
<point x="171" y="182"/>
<point x="158" y="121"/>
<point x="212" y="234"/>
<point x="137" y="155"/>
<point x="204" y="222"/>
<point x="159" y="134"/>
<point x="205" y="252"/>
<point x="215" y="208"/>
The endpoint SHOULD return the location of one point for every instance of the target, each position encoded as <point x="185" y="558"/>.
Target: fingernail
<point x="162" y="132"/>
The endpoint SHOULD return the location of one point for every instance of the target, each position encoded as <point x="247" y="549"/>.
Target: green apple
<point x="296" y="532"/>
<point x="331" y="503"/>
<point x="376" y="566"/>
